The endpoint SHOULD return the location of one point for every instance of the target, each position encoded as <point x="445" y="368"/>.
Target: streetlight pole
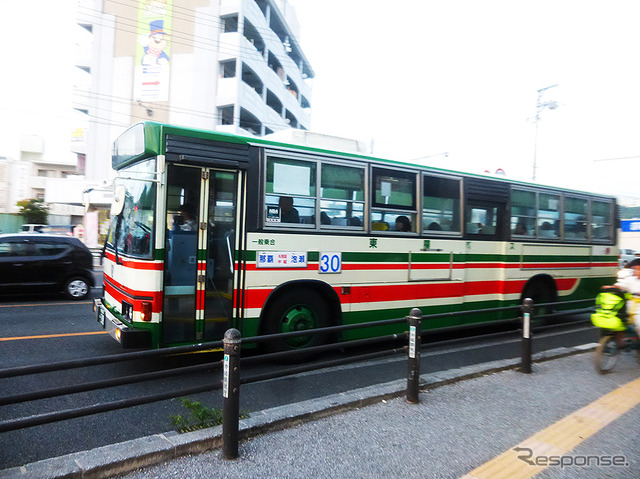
<point x="540" y="105"/>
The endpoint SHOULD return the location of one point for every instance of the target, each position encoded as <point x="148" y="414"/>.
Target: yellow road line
<point x="561" y="437"/>
<point x="45" y="336"/>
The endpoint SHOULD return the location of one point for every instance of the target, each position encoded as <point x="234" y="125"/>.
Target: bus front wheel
<point x="297" y="310"/>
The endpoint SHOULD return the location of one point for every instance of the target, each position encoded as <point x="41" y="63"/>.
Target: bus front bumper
<point x="128" y="337"/>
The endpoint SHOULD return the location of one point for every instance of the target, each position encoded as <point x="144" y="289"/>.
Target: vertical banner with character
<point x="153" y="57"/>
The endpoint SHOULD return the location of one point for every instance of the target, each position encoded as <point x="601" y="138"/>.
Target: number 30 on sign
<point x="330" y="263"/>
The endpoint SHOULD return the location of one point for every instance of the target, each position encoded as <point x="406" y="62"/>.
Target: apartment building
<point x="227" y="65"/>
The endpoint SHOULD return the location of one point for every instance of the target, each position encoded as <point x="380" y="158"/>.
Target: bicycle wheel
<point x="606" y="355"/>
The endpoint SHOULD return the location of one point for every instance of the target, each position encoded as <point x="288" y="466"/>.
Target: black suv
<point x="45" y="263"/>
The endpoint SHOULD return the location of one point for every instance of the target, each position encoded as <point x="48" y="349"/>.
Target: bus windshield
<point x="132" y="230"/>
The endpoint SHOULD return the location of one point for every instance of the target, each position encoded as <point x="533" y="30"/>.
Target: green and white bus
<point x="211" y="231"/>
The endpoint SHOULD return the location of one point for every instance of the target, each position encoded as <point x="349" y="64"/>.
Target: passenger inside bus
<point x="288" y="214"/>
<point x="188" y="213"/>
<point x="325" y="219"/>
<point x="403" y="224"/>
<point x="546" y="230"/>
<point x="521" y="229"/>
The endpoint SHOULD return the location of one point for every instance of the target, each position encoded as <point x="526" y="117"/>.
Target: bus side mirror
<point x="118" y="200"/>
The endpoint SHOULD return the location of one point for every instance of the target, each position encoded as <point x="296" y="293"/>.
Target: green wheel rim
<point x="298" y="318"/>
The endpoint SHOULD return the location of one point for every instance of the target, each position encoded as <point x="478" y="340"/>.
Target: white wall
<point x="35" y="79"/>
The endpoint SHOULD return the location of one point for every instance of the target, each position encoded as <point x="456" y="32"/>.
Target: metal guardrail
<point x="230" y="364"/>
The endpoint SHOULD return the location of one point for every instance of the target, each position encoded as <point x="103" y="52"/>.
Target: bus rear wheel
<point x="297" y="310"/>
<point x="540" y="293"/>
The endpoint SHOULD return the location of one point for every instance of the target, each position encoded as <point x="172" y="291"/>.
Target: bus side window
<point x="290" y="191"/>
<point x="482" y="220"/>
<point x="393" y="200"/>
<point x="342" y="196"/>
<point x="523" y="212"/>
<point x="441" y="204"/>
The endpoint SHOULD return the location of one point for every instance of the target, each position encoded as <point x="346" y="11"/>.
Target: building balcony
<point x="228" y="7"/>
<point x="37" y="182"/>
<point x="84" y="55"/>
<point x="227" y="91"/>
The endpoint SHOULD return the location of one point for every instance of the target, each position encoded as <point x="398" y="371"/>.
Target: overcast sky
<point x="424" y="77"/>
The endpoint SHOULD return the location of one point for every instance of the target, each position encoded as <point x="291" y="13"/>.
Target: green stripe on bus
<point x="380" y="257"/>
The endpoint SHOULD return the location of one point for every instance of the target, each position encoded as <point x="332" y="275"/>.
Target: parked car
<point x="626" y="255"/>
<point x="32" y="228"/>
<point x="45" y="262"/>
<point x="59" y="229"/>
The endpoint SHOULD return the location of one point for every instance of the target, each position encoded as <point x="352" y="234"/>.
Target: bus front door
<point x="200" y="253"/>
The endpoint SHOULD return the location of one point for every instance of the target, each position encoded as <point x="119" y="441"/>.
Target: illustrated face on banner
<point x="153" y="55"/>
<point x="158" y="41"/>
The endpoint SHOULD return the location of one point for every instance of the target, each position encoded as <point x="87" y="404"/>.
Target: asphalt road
<point x="49" y="329"/>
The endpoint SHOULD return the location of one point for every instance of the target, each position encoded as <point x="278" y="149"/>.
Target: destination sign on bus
<point x="282" y="259"/>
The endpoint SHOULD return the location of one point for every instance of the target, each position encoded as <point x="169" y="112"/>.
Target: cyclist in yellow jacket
<point x="630" y="285"/>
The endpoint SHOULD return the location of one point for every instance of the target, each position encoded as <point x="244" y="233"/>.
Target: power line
<point x="208" y="115"/>
<point x="215" y="46"/>
<point x="619" y="158"/>
<point x="181" y="35"/>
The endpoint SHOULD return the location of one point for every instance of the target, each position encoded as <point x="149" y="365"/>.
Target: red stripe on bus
<point x="120" y="292"/>
<point x="256" y="298"/>
<point x="145" y="265"/>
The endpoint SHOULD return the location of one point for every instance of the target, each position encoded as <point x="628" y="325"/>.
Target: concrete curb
<point x="107" y="461"/>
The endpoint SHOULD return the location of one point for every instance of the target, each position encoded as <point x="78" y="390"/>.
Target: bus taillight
<point x="145" y="312"/>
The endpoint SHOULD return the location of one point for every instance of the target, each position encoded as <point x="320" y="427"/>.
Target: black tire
<point x="296" y="310"/>
<point x="606" y="354"/>
<point x="77" y="288"/>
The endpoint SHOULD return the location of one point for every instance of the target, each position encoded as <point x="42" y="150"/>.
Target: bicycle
<point x="613" y="318"/>
<point x="607" y="352"/>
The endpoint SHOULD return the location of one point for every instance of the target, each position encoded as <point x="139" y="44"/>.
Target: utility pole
<point x="540" y="105"/>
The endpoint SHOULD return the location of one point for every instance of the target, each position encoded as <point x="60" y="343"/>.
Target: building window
<point x="230" y="23"/>
<point x="228" y="69"/>
<point x="274" y="102"/>
<point x="225" y="115"/>
<point x="250" y="123"/>
<point x="291" y="119"/>
<point x="250" y="78"/>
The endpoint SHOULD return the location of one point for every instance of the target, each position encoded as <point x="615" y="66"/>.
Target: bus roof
<point x="154" y="131"/>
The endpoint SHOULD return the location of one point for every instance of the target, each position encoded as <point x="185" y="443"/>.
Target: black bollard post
<point x="527" y="312"/>
<point x="413" y="378"/>
<point x="231" y="394"/>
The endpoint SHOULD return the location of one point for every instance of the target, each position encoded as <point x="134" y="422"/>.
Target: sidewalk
<point x="458" y="426"/>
